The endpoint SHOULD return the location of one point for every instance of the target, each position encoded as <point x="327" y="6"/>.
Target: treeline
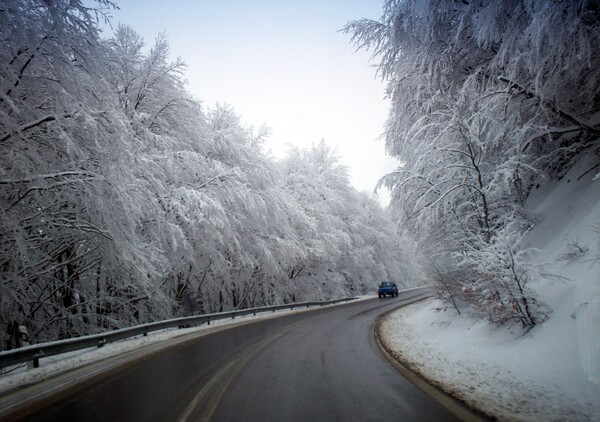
<point x="120" y="195"/>
<point x="489" y="99"/>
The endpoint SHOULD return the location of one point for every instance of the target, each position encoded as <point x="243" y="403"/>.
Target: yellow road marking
<point x="226" y="375"/>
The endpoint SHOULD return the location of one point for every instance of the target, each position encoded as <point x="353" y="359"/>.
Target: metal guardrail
<point x="43" y="350"/>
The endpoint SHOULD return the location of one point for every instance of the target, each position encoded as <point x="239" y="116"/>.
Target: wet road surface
<point x="321" y="365"/>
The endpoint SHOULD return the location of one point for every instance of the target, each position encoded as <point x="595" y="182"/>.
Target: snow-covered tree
<point x="75" y="198"/>
<point x="486" y="96"/>
<point x="120" y="196"/>
<point x="352" y="244"/>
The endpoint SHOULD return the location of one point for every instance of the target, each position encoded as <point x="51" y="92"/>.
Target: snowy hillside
<point x="550" y="373"/>
<point x="568" y="238"/>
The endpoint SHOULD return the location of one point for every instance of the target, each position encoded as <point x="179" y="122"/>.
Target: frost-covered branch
<point x="33" y="124"/>
<point x="550" y="105"/>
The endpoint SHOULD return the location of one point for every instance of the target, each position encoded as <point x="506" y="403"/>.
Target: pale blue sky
<point x="281" y="63"/>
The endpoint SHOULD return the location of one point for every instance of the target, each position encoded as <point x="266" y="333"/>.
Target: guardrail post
<point x="20" y="337"/>
<point x="35" y="362"/>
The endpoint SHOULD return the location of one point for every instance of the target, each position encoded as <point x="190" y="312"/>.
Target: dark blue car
<point x="387" y="288"/>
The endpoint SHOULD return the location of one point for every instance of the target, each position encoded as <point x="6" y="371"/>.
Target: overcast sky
<point x="282" y="63"/>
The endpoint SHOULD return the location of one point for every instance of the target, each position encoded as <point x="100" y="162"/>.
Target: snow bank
<point x="511" y="377"/>
<point x="552" y="372"/>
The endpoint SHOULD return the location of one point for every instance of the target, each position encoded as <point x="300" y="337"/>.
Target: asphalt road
<point x="319" y="365"/>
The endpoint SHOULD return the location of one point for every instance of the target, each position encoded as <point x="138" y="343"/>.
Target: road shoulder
<point x="411" y="373"/>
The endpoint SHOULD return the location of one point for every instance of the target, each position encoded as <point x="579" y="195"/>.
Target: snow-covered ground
<point x="553" y="371"/>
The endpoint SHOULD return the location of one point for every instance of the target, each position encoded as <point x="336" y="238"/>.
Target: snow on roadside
<point x="506" y="375"/>
<point x="21" y="376"/>
<point x="553" y="371"/>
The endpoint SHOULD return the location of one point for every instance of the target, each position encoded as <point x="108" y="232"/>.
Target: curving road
<point x="308" y="366"/>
